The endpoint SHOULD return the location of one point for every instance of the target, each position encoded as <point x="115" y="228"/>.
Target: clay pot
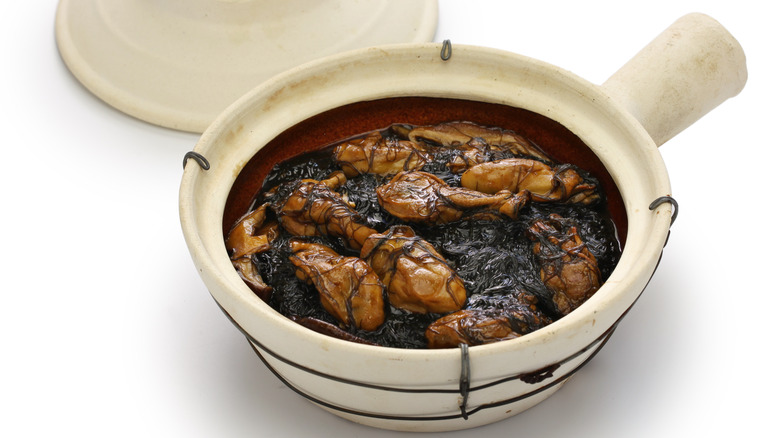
<point x="616" y="128"/>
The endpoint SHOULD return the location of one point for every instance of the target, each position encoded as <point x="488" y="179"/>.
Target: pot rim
<point x="559" y="95"/>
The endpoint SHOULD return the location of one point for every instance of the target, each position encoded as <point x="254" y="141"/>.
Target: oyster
<point x="380" y="155"/>
<point x="423" y="197"/>
<point x="567" y="267"/>
<point x="349" y="289"/>
<point x="417" y="277"/>
<point x="544" y="183"/>
<point x="313" y="208"/>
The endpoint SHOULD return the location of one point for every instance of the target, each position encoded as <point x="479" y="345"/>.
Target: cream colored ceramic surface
<point x="685" y="72"/>
<point x="620" y="141"/>
<point x="179" y="63"/>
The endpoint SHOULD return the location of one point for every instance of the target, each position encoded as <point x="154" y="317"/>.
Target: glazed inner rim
<point x="326" y="128"/>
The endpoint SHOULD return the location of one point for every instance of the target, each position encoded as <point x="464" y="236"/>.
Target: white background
<point x="107" y="330"/>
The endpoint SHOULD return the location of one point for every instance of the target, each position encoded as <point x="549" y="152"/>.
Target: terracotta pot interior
<point x="350" y="120"/>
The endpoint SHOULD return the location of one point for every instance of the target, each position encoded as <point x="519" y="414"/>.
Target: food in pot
<point x="461" y="256"/>
<point x="378" y="154"/>
<point x="474" y="143"/>
<point x="329" y="329"/>
<point x="485" y="326"/>
<point x="349" y="289"/>
<point x="423" y="197"/>
<point x="543" y="183"/>
<point x="313" y="208"/>
<point x="417" y="277"/>
<point x="567" y="267"/>
<point x="251" y="235"/>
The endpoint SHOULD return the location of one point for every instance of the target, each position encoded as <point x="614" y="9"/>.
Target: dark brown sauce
<point x="493" y="258"/>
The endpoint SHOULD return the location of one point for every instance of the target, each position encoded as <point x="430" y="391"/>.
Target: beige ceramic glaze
<point x="179" y="63"/>
<point x="612" y="120"/>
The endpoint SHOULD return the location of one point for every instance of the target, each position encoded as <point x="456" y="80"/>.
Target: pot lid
<point x="179" y="63"/>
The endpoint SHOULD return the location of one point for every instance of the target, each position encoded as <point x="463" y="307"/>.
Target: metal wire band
<point x="257" y="346"/>
<point x="465" y="380"/>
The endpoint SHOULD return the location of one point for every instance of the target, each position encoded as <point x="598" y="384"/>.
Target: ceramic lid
<point x="179" y="63"/>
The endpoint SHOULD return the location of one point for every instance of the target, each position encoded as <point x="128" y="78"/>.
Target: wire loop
<point x="664" y="199"/>
<point x="446" y="50"/>
<point x="200" y="159"/>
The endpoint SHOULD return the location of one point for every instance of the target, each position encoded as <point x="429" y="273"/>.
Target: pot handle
<point x="689" y="69"/>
